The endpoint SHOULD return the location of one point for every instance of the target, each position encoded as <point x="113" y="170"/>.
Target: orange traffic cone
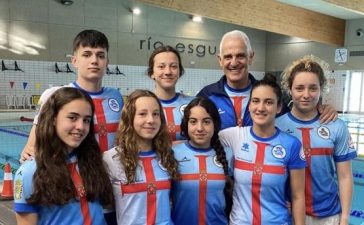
<point x="7" y="192"/>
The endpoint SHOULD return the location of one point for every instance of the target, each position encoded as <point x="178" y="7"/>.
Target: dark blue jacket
<point x="216" y="93"/>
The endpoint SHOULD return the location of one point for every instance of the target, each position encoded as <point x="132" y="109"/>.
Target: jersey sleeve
<point x="297" y="157"/>
<point x="230" y="159"/>
<point x="344" y="147"/>
<point x="108" y="162"/>
<point x="43" y="99"/>
<point x="23" y="188"/>
<point x="227" y="136"/>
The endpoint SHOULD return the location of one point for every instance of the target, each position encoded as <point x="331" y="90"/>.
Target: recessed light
<point x="197" y="19"/>
<point x="67" y="2"/>
<point x="136" y="11"/>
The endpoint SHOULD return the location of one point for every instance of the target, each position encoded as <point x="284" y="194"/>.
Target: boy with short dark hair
<point x="90" y="58"/>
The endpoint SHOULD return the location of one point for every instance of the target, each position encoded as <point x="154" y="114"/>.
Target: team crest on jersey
<point x="302" y="154"/>
<point x="279" y="152"/>
<point x="18" y="189"/>
<point x="182" y="109"/>
<point x="216" y="162"/>
<point x="323" y="132"/>
<point x="114" y="105"/>
<point x="245" y="147"/>
<point x="161" y="166"/>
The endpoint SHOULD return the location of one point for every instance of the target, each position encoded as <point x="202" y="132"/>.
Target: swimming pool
<point x="13" y="139"/>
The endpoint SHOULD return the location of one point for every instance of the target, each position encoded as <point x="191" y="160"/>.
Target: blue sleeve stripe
<point x="342" y="158"/>
<point x="25" y="208"/>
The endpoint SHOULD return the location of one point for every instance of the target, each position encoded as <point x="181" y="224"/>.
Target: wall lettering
<point x="200" y="50"/>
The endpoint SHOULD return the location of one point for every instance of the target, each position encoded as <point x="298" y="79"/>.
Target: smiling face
<point x="235" y="60"/>
<point x="147" y="121"/>
<point x="91" y="64"/>
<point x="200" y="127"/>
<point x="305" y="93"/>
<point x="73" y="123"/>
<point x="166" y="71"/>
<point x="264" y="106"/>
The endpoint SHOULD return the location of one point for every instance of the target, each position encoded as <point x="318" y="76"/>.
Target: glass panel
<point x="354" y="92"/>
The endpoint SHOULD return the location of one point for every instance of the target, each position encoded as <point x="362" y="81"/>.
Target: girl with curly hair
<point x="204" y="165"/>
<point x="142" y="164"/>
<point x="328" y="147"/>
<point x="67" y="182"/>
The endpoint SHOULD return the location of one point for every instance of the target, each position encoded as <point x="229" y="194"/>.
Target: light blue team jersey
<point x="261" y="175"/>
<point x="145" y="201"/>
<point x="325" y="145"/>
<point x="199" y="195"/>
<point x="67" y="214"/>
<point x="173" y="112"/>
<point x="108" y="105"/>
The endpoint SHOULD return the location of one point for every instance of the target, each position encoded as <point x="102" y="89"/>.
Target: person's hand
<point x="328" y="113"/>
<point x="27" y="154"/>
<point x="344" y="221"/>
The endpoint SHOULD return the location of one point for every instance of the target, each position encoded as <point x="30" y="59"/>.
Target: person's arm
<point x="29" y="148"/>
<point x="345" y="179"/>
<point x="297" y="183"/>
<point x="27" y="218"/>
<point x="328" y="113"/>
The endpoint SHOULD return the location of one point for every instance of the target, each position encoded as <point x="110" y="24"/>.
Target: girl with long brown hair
<point x="67" y="182"/>
<point x="142" y="164"/>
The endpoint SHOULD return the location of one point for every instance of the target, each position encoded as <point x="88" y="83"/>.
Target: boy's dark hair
<point x="90" y="38"/>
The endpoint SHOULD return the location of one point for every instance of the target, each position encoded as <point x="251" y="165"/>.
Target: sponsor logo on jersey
<point x="323" y="132"/>
<point x="18" y="189"/>
<point x="182" y="109"/>
<point x="221" y="111"/>
<point x="289" y="131"/>
<point x="216" y="162"/>
<point x="279" y="152"/>
<point x="185" y="159"/>
<point x="245" y="147"/>
<point x="114" y="105"/>
<point x="161" y="166"/>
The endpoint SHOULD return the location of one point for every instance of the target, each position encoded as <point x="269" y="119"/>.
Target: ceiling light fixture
<point x="197" y="19"/>
<point x="66" y="2"/>
<point x="136" y="11"/>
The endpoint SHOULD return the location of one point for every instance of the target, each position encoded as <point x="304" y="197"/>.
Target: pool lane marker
<point x="14" y="132"/>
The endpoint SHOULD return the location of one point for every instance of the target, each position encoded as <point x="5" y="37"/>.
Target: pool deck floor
<point x="7" y="216"/>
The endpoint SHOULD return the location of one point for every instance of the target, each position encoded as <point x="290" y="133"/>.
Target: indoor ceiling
<point x="331" y="8"/>
<point x="322" y="21"/>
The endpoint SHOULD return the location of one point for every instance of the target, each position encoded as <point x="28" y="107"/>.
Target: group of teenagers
<point x="235" y="154"/>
